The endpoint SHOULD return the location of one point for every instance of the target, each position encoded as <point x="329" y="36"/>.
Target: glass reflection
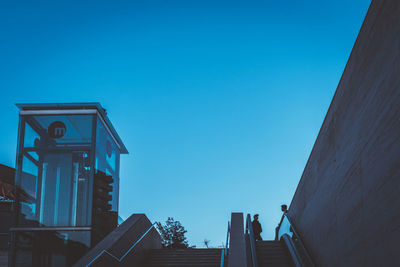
<point x="106" y="183"/>
<point x="107" y="161"/>
<point x="287" y="228"/>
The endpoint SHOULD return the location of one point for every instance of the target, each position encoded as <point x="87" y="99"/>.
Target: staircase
<point x="184" y="257"/>
<point x="273" y="254"/>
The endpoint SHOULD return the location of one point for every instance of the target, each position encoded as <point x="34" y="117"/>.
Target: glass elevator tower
<point x="67" y="182"/>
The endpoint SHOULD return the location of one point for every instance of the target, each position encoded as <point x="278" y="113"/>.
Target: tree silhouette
<point x="172" y="234"/>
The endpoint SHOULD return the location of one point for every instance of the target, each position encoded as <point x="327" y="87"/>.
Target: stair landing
<point x="184" y="257"/>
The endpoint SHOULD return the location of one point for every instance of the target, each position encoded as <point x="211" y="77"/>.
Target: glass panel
<point x="58" y="130"/>
<point x="65" y="179"/>
<point x="50" y="248"/>
<point x="106" y="185"/>
<point x="107" y="160"/>
<point x="80" y="191"/>
<point x="54" y="182"/>
<point x="27" y="191"/>
<point x="30" y="136"/>
<point x="287" y="228"/>
<point x="55" y="203"/>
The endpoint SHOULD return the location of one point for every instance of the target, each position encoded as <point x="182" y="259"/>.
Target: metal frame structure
<point x="98" y="114"/>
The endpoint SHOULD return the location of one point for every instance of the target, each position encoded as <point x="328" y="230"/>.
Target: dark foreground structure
<point x="345" y="211"/>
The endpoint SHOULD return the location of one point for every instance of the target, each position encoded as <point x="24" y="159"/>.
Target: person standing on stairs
<point x="257" y="229"/>
<point x="284" y="210"/>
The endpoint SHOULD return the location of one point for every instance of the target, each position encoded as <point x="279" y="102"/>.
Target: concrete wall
<point x="347" y="204"/>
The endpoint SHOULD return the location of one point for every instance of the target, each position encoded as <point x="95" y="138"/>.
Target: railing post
<point x="225" y="250"/>
<point x="249" y="231"/>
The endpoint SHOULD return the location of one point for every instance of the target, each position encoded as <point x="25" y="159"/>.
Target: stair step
<point x="182" y="264"/>
<point x="184" y="258"/>
<point x="273" y="254"/>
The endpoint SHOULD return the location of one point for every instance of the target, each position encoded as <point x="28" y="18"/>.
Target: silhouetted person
<point x="256" y="228"/>
<point x="284" y="208"/>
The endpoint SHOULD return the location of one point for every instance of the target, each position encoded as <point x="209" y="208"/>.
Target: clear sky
<point x="218" y="102"/>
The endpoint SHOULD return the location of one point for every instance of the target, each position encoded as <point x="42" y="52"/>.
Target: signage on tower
<point x="57" y="129"/>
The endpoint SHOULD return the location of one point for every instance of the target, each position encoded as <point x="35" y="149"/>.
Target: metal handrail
<point x="249" y="231"/>
<point x="294" y="253"/>
<point x="224" y="251"/>
<point x="299" y="240"/>
<point x="126" y="253"/>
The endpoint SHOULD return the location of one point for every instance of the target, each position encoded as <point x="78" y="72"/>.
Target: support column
<point x="237" y="244"/>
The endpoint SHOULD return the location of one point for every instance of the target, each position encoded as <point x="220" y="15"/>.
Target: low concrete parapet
<point x="116" y="248"/>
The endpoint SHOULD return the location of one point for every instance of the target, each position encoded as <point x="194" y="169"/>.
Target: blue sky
<point x="218" y="102"/>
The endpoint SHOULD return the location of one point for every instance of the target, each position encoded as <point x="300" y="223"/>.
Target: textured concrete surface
<point x="237" y="244"/>
<point x="347" y="204"/>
